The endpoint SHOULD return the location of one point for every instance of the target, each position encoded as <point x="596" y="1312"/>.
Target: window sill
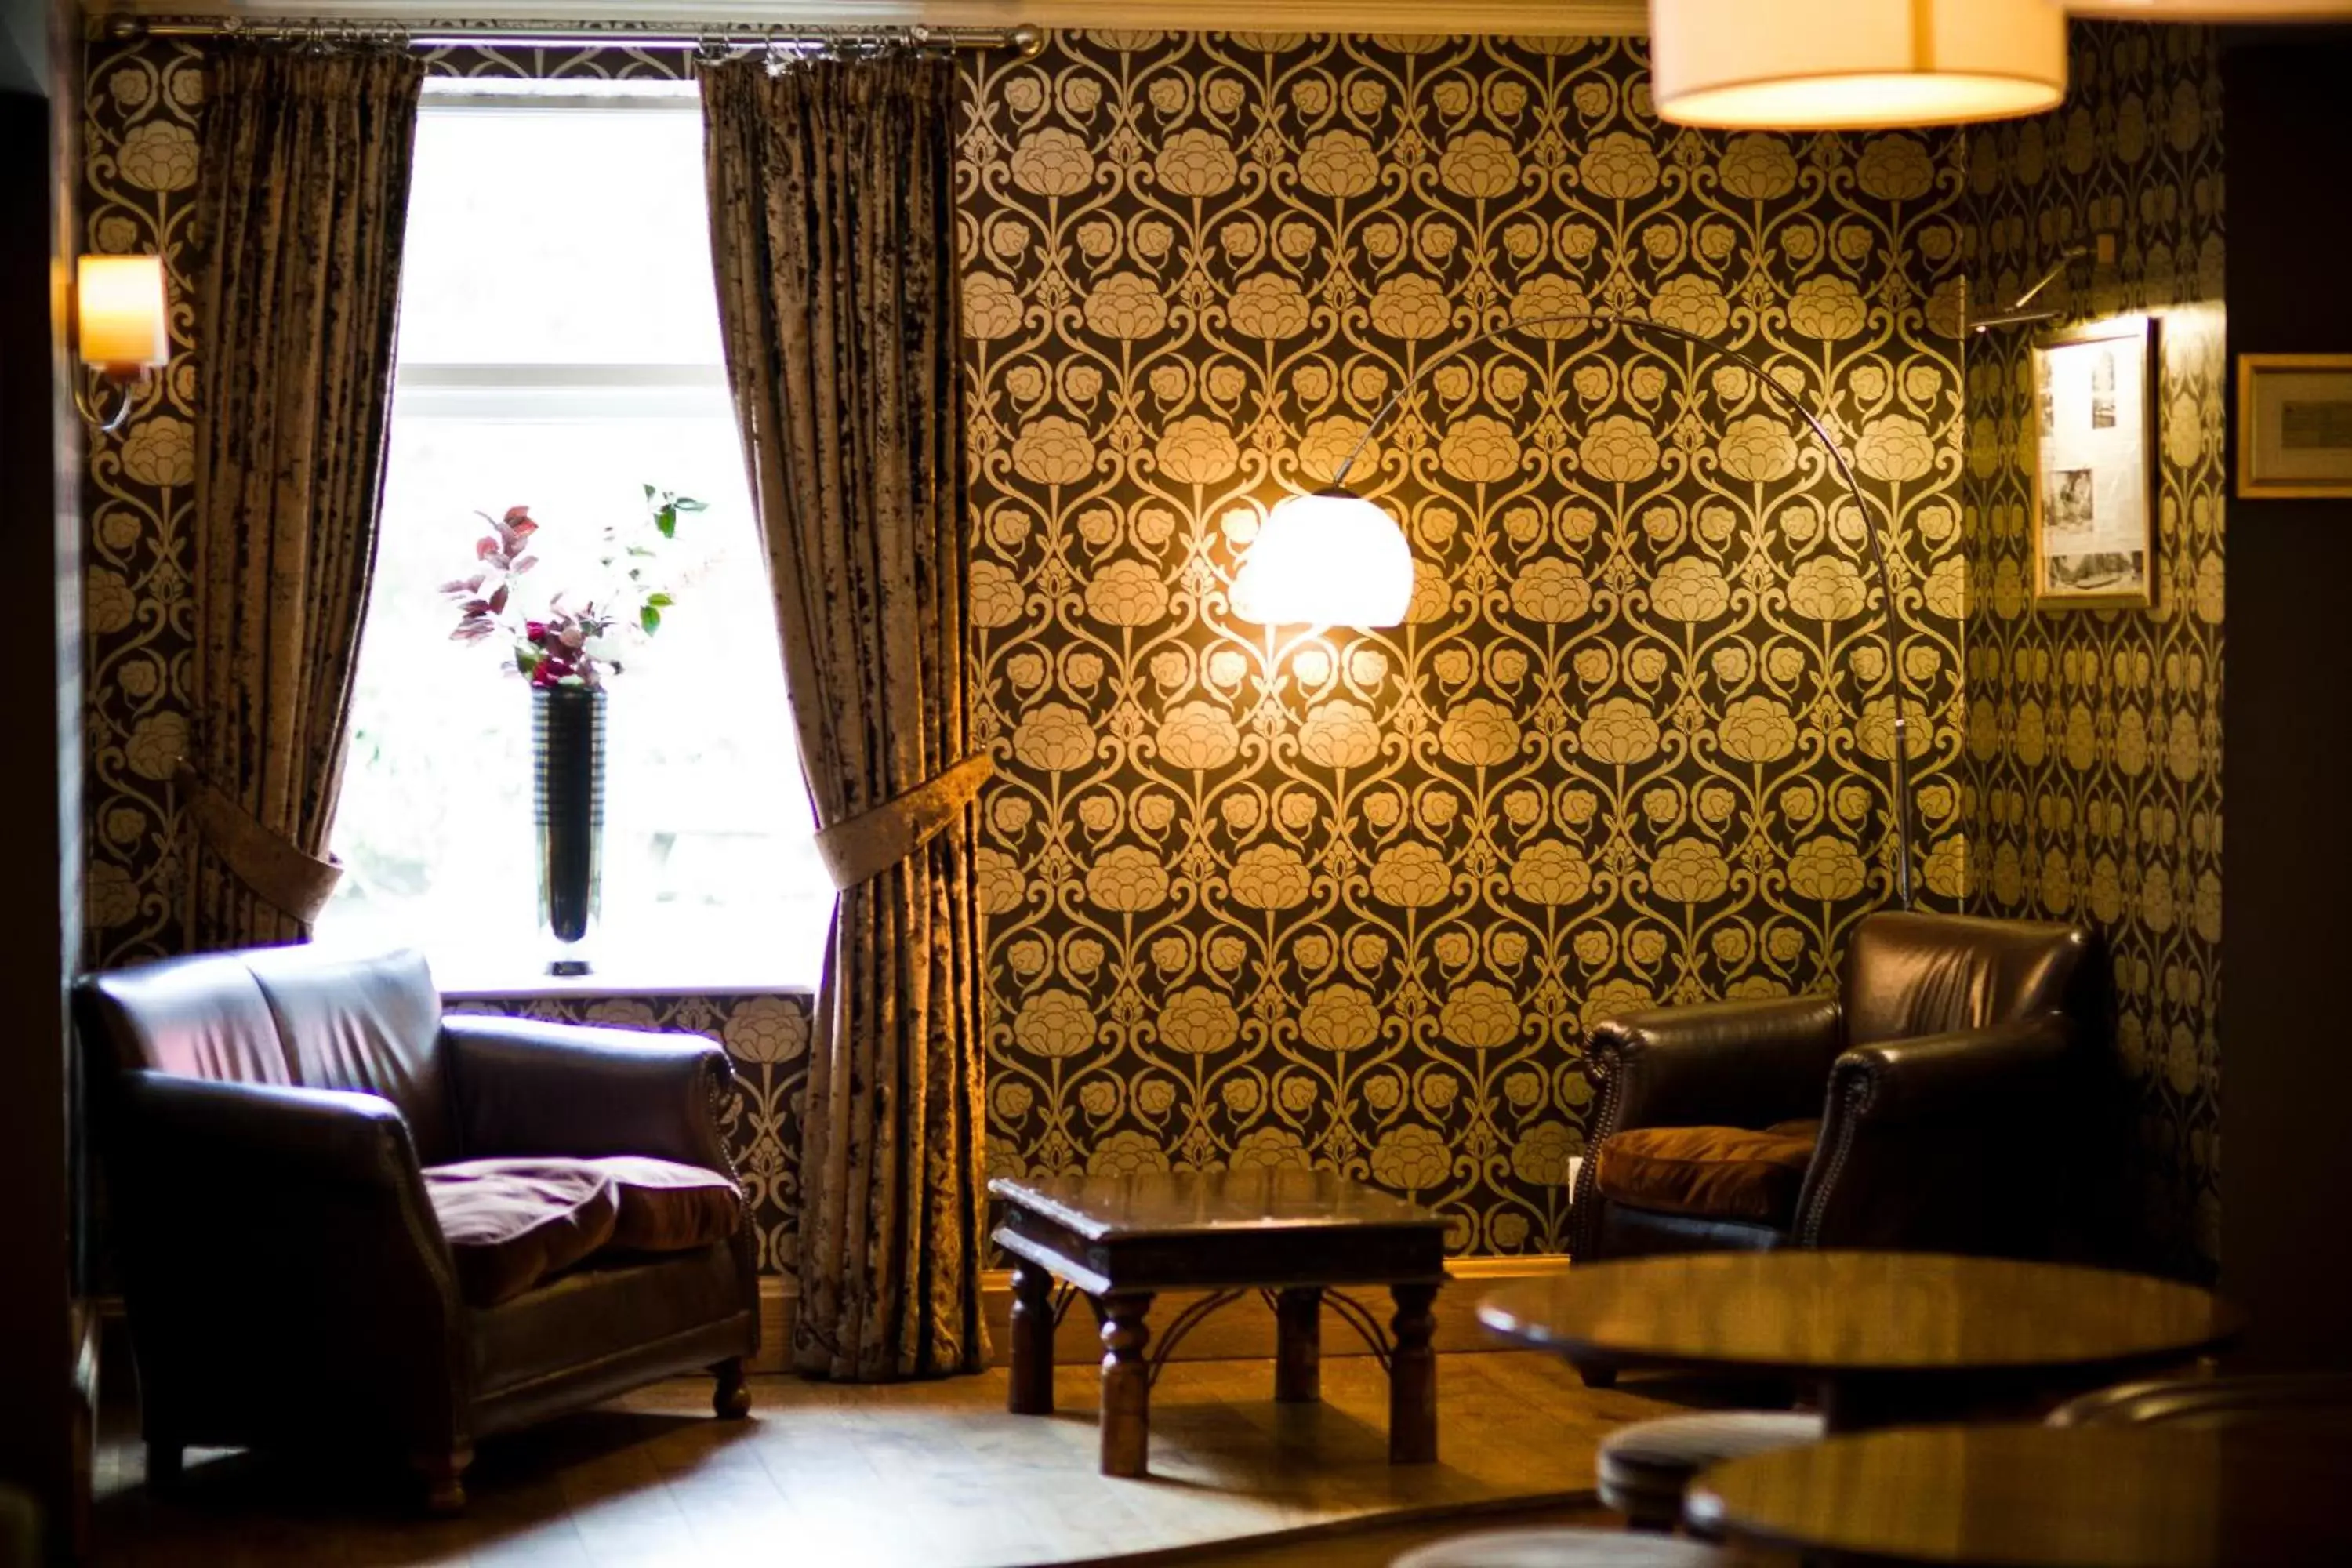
<point x="509" y="983"/>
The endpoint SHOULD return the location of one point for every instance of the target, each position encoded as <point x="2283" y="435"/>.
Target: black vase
<point x="567" y="726"/>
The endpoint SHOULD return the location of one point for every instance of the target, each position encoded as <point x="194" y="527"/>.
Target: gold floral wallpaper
<point x="2095" y="740"/>
<point x="1349" y="899"/>
<point x="1354" y="899"/>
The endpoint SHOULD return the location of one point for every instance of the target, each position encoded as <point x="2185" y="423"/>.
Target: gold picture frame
<point x="2094" y="478"/>
<point x="2291" y="445"/>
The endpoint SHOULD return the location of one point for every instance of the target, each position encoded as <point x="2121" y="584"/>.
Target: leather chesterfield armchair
<point x="1944" y="1099"/>
<point x="268" y="1128"/>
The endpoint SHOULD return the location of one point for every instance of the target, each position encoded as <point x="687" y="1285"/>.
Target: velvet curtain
<point x="831" y="214"/>
<point x="301" y="217"/>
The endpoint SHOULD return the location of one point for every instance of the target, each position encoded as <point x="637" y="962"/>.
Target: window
<point x="559" y="349"/>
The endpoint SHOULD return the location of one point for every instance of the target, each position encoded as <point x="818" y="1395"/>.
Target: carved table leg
<point x="1298" y="1346"/>
<point x="1412" y="1377"/>
<point x="730" y="1396"/>
<point x="1126" y="1386"/>
<point x="1030" y="1390"/>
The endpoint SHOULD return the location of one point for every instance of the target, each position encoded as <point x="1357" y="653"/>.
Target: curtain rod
<point x="1025" y="40"/>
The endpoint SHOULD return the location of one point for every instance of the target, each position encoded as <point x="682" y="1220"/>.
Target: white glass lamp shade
<point x="119" y="311"/>
<point x="2212" y="10"/>
<point x="1331" y="559"/>
<point x="1851" y="65"/>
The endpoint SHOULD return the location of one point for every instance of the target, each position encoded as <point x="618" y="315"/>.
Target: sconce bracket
<point x="107" y="423"/>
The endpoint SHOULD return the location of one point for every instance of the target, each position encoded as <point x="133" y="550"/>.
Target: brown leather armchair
<point x="266" y="1130"/>
<point x="1958" y="1057"/>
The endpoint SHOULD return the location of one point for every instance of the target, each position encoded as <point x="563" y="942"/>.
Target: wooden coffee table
<point x="1888" y="1338"/>
<point x="1121" y="1240"/>
<point x="2066" y="1497"/>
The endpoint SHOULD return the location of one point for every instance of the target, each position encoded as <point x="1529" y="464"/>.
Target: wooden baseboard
<point x="1242" y="1331"/>
<point x="777" y="1296"/>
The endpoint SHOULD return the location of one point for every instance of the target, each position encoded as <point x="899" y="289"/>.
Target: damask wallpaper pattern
<point x="1350" y="899"/>
<point x="2094" y="740"/>
<point x="1353" y="899"/>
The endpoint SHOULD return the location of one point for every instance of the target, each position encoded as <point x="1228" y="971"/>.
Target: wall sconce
<point x="123" y="330"/>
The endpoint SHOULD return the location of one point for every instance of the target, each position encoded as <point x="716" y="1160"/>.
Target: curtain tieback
<point x="267" y="863"/>
<point x="866" y="844"/>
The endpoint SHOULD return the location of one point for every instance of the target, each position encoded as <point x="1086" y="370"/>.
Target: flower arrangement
<point x="567" y="643"/>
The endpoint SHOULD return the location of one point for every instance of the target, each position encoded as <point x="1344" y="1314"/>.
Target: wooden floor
<point x="933" y="1474"/>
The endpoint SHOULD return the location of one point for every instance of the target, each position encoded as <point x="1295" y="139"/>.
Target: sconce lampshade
<point x="1848" y="65"/>
<point x="1331" y="559"/>
<point x="122" y="324"/>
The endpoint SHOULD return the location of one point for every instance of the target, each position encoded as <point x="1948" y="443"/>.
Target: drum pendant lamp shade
<point x="1854" y="64"/>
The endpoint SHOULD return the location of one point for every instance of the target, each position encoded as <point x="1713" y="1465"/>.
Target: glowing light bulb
<point x="1331" y="559"/>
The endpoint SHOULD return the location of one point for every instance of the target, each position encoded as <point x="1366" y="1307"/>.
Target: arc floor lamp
<point x="1337" y="558"/>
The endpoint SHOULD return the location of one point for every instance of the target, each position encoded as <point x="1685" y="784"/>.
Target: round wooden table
<point x="1885" y="1337"/>
<point x="2077" y="1496"/>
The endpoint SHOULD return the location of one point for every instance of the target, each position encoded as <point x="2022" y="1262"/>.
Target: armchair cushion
<point x="512" y="1223"/>
<point x="665" y="1206"/>
<point x="1719" y="1172"/>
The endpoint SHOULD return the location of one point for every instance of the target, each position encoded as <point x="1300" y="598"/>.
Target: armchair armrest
<point x="268" y="1227"/>
<point x="310" y="1134"/>
<point x="1974" y="1072"/>
<point x="1947" y="1142"/>
<point x="522" y="1087"/>
<point x="1727" y="1064"/>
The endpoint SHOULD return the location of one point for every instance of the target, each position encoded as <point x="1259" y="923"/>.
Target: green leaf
<point x="660" y="601"/>
<point x="688" y="503"/>
<point x="665" y="521"/>
<point x="650" y="493"/>
<point x="649" y="618"/>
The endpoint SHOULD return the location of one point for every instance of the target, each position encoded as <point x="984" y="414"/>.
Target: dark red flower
<point x="535" y="631"/>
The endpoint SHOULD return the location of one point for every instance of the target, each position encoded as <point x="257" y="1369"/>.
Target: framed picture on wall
<point x="2095" y="467"/>
<point x="2295" y="425"/>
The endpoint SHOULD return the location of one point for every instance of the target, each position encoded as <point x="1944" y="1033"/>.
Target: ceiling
<point x="1521" y="16"/>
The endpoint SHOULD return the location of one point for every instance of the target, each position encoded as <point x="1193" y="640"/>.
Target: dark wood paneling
<point x="42" y="1438"/>
<point x="2287" y="905"/>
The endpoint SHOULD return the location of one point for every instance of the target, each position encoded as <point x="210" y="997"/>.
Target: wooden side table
<point x="1123" y="1239"/>
<point x="2258" y="1496"/>
<point x="1888" y="1338"/>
